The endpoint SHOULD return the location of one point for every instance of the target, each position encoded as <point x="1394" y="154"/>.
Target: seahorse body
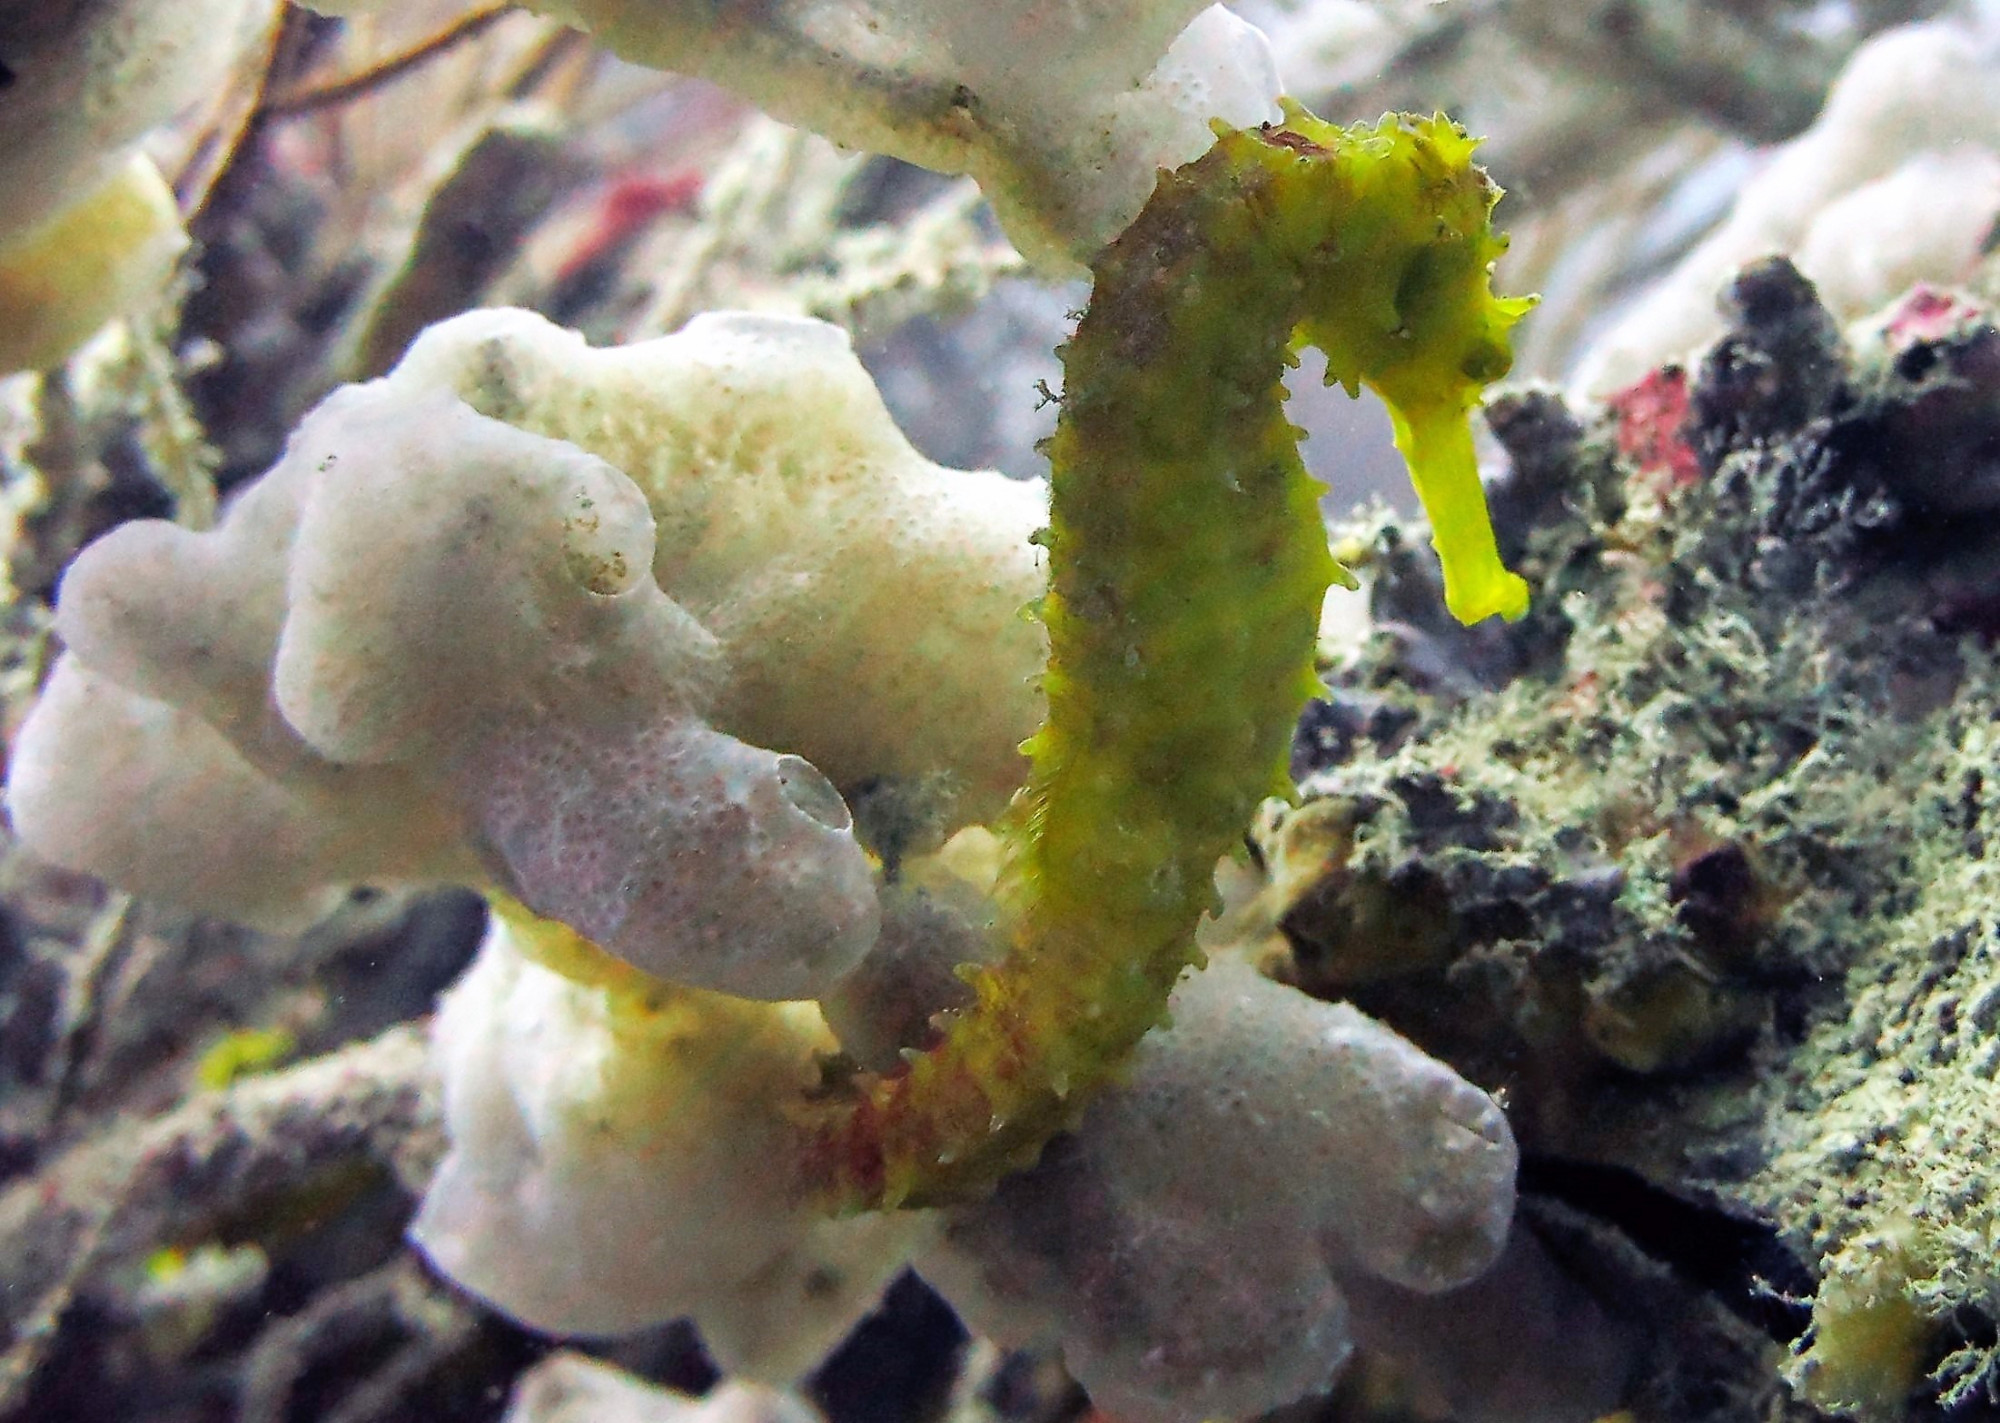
<point x="1188" y="563"/>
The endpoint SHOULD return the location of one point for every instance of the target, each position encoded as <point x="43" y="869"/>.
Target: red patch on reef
<point x="1653" y="419"/>
<point x="1927" y="314"/>
<point x="1584" y="697"/>
<point x="624" y="210"/>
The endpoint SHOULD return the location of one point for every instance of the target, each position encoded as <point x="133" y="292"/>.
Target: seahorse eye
<point x="1487" y="361"/>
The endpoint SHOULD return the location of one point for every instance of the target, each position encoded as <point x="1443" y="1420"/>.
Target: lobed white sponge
<point x="524" y="615"/>
<point x="137" y="790"/>
<point x="430" y="646"/>
<point x="1063" y="110"/>
<point x="617" y="1160"/>
<point x="1897" y="181"/>
<point x="1276" y="1180"/>
<point x="868" y="605"/>
<point x="1187" y="1246"/>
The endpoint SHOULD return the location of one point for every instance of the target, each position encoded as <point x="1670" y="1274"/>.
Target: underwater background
<point x="1602" y="1011"/>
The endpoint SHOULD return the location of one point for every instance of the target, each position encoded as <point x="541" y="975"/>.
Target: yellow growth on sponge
<point x="103" y="256"/>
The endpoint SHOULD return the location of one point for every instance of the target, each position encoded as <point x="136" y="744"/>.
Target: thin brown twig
<point x="233" y="122"/>
<point x="334" y="92"/>
<point x="105" y="946"/>
<point x="555" y="55"/>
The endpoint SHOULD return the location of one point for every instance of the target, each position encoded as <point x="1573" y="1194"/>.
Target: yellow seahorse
<point x="1188" y="562"/>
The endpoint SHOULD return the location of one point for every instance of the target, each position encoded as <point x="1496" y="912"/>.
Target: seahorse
<point x="1188" y="563"/>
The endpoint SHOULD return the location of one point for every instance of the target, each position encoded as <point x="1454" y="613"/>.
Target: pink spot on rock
<point x="1927" y="314"/>
<point x="1653" y="417"/>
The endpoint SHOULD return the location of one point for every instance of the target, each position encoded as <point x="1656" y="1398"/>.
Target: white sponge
<point x="1064" y="110"/>
<point x="619" y="1161"/>
<point x="1187" y="1246"/>
<point x="868" y="604"/>
<point x="1897" y="181"/>
<point x="433" y="645"/>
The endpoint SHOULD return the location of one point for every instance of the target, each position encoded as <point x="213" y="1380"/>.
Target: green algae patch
<point x="244" y="1053"/>
<point x="1872" y="1339"/>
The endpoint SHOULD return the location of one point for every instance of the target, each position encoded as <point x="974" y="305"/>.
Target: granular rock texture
<point x="1692" y="863"/>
